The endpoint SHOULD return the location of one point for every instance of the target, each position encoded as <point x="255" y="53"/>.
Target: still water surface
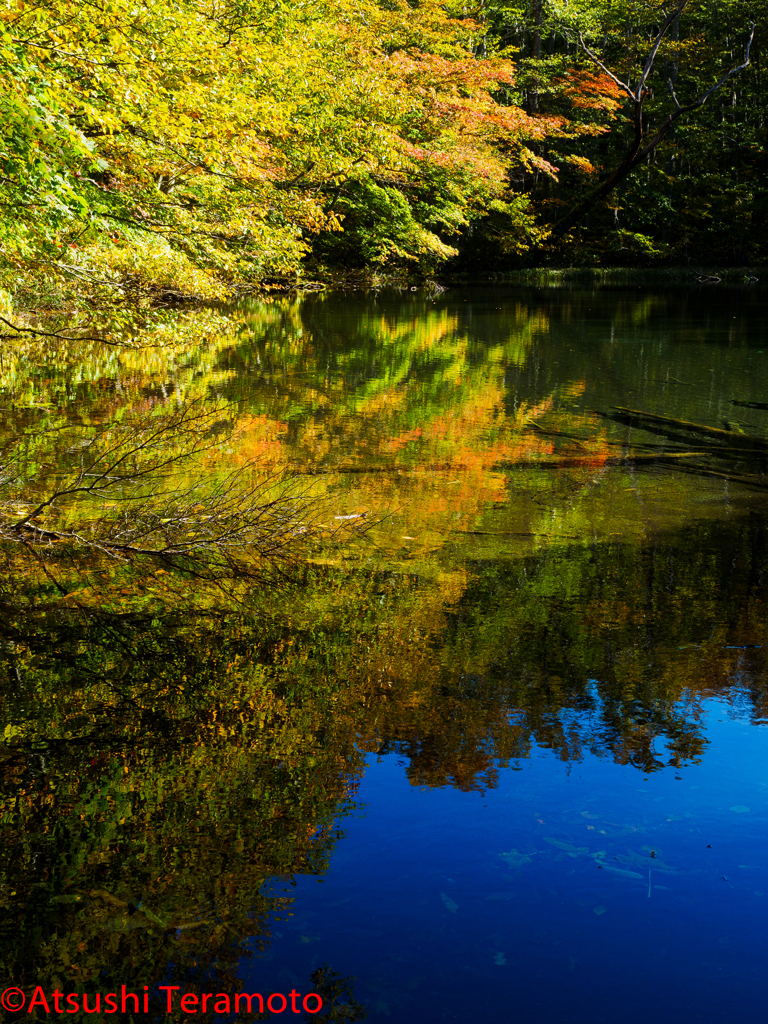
<point x="505" y="757"/>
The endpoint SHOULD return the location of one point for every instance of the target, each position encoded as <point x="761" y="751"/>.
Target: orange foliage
<point x="590" y="90"/>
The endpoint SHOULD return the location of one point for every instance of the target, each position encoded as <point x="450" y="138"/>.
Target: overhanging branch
<point x="637" y="152"/>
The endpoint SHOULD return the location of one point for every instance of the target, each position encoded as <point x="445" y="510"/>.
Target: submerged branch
<point x="699" y="428"/>
<point x="749" y="405"/>
<point x="729" y="438"/>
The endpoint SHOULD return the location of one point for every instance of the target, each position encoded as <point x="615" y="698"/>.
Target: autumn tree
<point x="192" y="148"/>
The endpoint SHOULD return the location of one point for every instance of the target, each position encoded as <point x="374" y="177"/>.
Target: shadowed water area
<point x="500" y="756"/>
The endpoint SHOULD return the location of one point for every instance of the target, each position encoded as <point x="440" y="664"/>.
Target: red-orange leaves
<point x="462" y="124"/>
<point x="589" y="90"/>
<point x="439" y="73"/>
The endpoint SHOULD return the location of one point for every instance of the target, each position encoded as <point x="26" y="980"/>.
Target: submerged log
<point x="728" y="437"/>
<point x="749" y="405"/>
<point x="723" y="445"/>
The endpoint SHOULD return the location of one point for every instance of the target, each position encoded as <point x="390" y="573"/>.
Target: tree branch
<point x="636" y="152"/>
<point x="638" y="94"/>
<point x="19" y="331"/>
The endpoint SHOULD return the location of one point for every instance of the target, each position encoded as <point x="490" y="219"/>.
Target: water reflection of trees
<point x="157" y="769"/>
<point x="608" y="649"/>
<point x="163" y="757"/>
<point x="154" y="776"/>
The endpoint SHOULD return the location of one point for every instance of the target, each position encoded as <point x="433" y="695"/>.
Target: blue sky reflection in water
<point x="585" y="892"/>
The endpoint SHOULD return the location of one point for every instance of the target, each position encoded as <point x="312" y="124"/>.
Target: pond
<point x="500" y="754"/>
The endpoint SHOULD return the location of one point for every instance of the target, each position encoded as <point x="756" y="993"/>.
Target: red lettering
<point x="271" y="1007"/>
<point x="56" y="996"/>
<point x="185" y="1008"/>
<point x="38" y="994"/>
<point x="294" y="996"/>
<point x="72" y="1001"/>
<point x="313" y="995"/>
<point x="111" y="1000"/>
<point x="169" y="989"/>
<point x="146" y="999"/>
<point x="221" y="997"/>
<point x="85" y="1003"/>
<point x="206" y="997"/>
<point x="244" y="995"/>
<point x="129" y="995"/>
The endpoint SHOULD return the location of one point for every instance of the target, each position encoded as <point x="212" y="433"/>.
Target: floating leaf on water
<point x="449" y="904"/>
<point x="515" y="859"/>
<point x="568" y="847"/>
<point x="740" y="809"/>
<point x="622" y="871"/>
<point x="574" y="851"/>
<point x="599" y="911"/>
<point x="646" y="862"/>
<point x="500" y="959"/>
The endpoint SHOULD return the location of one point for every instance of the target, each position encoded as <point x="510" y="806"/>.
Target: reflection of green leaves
<point x="410" y="364"/>
<point x="337" y="994"/>
<point x="153" y="797"/>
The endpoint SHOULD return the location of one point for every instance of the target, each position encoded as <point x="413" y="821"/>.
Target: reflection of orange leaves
<point x="529" y="413"/>
<point x="575" y="389"/>
<point x="595" y="452"/>
<point x="470" y="441"/>
<point x="257" y="438"/>
<point x="394" y="444"/>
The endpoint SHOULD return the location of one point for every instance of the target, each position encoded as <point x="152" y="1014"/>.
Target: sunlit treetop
<point x="198" y="145"/>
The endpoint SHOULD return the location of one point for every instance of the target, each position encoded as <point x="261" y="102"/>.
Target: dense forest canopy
<point x="197" y="146"/>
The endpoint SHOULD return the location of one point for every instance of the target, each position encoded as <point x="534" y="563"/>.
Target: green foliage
<point x="191" y="150"/>
<point x="380" y="229"/>
<point x="175" y="147"/>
